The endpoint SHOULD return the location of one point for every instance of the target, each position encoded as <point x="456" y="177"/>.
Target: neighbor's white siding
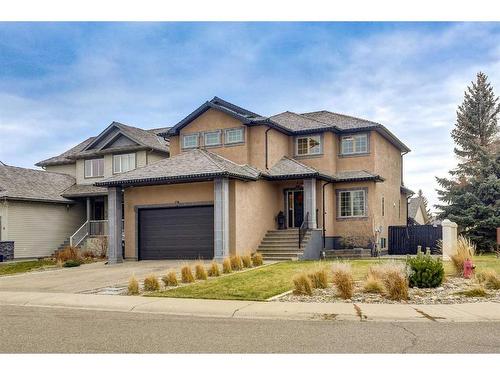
<point x="39" y="228"/>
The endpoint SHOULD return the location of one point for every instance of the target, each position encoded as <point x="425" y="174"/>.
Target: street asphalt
<point x="27" y="329"/>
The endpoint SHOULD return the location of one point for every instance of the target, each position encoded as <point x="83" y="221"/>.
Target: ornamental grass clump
<point x="170" y="279"/>
<point x="343" y="280"/>
<point x="465" y="250"/>
<point x="303" y="285"/>
<point x="489" y="278"/>
<point x="257" y="259"/>
<point x="226" y="266"/>
<point x="236" y="263"/>
<point x="200" y="272"/>
<point x="151" y="283"/>
<point x="373" y="285"/>
<point x="477" y="291"/>
<point x="247" y="261"/>
<point x="319" y="278"/>
<point x="133" y="286"/>
<point x="395" y="281"/>
<point x="425" y="271"/>
<point x="187" y="275"/>
<point x="68" y="253"/>
<point x="213" y="270"/>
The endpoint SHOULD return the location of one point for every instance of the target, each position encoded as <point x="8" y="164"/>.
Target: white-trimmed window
<point x="190" y="140"/>
<point x="354" y="144"/>
<point x="352" y="203"/>
<point x="123" y="163"/>
<point x="308" y="145"/>
<point x="212" y="138"/>
<point x="94" y="168"/>
<point x="233" y="136"/>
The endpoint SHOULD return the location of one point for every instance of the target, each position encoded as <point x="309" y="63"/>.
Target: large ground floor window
<point x="351" y="203"/>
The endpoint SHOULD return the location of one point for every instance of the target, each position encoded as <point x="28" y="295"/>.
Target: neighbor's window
<point x="212" y="138"/>
<point x="354" y="144"/>
<point x="123" y="163"/>
<point x="190" y="140"/>
<point x="310" y="145"/>
<point x="352" y="203"/>
<point x="94" y="168"/>
<point x="233" y="136"/>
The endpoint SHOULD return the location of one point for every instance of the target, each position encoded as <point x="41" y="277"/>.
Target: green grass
<point x="20" y="267"/>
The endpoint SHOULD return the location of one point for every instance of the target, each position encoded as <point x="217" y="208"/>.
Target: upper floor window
<point x="308" y="145"/>
<point x="352" y="203"/>
<point x="94" y="168"/>
<point x="354" y="144"/>
<point x="190" y="140"/>
<point x="233" y="136"/>
<point x="123" y="163"/>
<point x="212" y="138"/>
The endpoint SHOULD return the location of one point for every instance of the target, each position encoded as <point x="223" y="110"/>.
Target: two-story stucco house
<point x="231" y="172"/>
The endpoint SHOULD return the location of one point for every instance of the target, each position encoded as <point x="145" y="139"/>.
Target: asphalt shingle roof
<point x="65" y="157"/>
<point x="340" y="121"/>
<point x="33" y="185"/>
<point x="356" y="176"/>
<point x="413" y="205"/>
<point x="84" y="191"/>
<point x="288" y="168"/>
<point x="191" y="165"/>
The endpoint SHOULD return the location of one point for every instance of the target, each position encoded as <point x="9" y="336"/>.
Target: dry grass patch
<point x="303" y="284"/>
<point x="213" y="269"/>
<point x="257" y="259"/>
<point x="133" y="286"/>
<point x="226" y="266"/>
<point x="247" y="261"/>
<point x="373" y="285"/>
<point x="170" y="279"/>
<point x="489" y="278"/>
<point x="477" y="291"/>
<point x="343" y="280"/>
<point x="151" y="283"/>
<point x="396" y="281"/>
<point x="236" y="263"/>
<point x="187" y="275"/>
<point x="200" y="272"/>
<point x="465" y="250"/>
<point x="319" y="278"/>
<point x="68" y="253"/>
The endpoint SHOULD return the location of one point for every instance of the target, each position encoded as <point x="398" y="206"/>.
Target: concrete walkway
<point x="471" y="312"/>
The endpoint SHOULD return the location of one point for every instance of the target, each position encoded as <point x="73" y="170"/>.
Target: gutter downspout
<point x="269" y="128"/>
<point x="324" y="213"/>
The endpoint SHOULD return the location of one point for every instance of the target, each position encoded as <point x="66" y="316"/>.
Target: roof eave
<point x="28" y="199"/>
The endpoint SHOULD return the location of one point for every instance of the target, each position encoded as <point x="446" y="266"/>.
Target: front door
<point x="294" y="208"/>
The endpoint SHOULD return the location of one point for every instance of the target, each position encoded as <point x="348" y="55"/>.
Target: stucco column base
<point x="115" y="225"/>
<point x="449" y="238"/>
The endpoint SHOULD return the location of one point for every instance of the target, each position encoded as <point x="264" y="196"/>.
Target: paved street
<point x="56" y="330"/>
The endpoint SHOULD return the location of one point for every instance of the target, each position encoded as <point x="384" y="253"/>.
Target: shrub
<point x="343" y="280"/>
<point x="319" y="278"/>
<point x="72" y="263"/>
<point x="302" y="284"/>
<point x="489" y="278"/>
<point x="187" y="275"/>
<point x="226" y="266"/>
<point x="257" y="259"/>
<point x="465" y="250"/>
<point x="477" y="291"/>
<point x="68" y="253"/>
<point x="425" y="271"/>
<point x="396" y="284"/>
<point x="170" y="279"/>
<point x="214" y="270"/>
<point x="133" y="286"/>
<point x="87" y="253"/>
<point x="236" y="263"/>
<point x="151" y="283"/>
<point x="373" y="285"/>
<point x="200" y="272"/>
<point x="247" y="261"/>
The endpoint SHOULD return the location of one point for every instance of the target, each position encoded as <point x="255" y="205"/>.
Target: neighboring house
<point x="232" y="171"/>
<point x="417" y="212"/>
<point x="44" y="209"/>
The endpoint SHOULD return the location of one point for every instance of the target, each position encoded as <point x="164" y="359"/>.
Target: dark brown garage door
<point x="176" y="233"/>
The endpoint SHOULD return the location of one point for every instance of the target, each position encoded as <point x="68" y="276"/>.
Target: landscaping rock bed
<point x="445" y="294"/>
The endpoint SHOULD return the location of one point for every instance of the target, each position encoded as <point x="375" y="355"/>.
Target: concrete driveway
<point x="86" y="278"/>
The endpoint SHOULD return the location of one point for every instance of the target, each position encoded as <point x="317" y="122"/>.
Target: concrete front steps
<point x="283" y="244"/>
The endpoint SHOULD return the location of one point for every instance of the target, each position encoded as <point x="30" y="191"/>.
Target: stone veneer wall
<point x="7" y="250"/>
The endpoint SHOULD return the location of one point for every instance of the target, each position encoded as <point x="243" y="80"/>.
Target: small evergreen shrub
<point x="425" y="271"/>
<point x="226" y="266"/>
<point x="133" y="286"/>
<point x="247" y="261"/>
<point x="373" y="285"/>
<point x="72" y="263"/>
<point x="151" y="283"/>
<point x="343" y="280"/>
<point x="319" y="278"/>
<point x="213" y="270"/>
<point x="170" y="279"/>
<point x="257" y="259"/>
<point x="302" y="284"/>
<point x="187" y="275"/>
<point x="489" y="278"/>
<point x="200" y="272"/>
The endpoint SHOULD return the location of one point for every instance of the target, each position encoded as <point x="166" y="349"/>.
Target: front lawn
<point x="20" y="267"/>
<point x="265" y="282"/>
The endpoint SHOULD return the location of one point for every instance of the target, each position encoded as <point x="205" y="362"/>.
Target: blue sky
<point x="63" y="82"/>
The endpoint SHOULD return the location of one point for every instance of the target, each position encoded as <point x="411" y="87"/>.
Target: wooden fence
<point x="405" y="239"/>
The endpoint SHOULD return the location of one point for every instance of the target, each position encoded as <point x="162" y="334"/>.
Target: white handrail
<point x="80" y="234"/>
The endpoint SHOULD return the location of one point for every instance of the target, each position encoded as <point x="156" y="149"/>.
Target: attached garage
<point x="181" y="232"/>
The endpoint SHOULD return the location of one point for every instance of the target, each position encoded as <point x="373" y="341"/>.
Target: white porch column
<point x="115" y="225"/>
<point x="221" y="218"/>
<point x="88" y="209"/>
<point x="449" y="238"/>
<point x="310" y="201"/>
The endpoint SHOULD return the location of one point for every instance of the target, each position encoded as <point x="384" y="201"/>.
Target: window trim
<point x="120" y="155"/>
<point x="218" y="132"/>
<point x="85" y="175"/>
<point x="190" y="135"/>
<point x="241" y="129"/>
<point x="309" y="154"/>
<point x="354" y="153"/>
<point x="351" y="190"/>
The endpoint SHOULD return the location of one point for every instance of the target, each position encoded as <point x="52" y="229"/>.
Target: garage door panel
<point x="176" y="233"/>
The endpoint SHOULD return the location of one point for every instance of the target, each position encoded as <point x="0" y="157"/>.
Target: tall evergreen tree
<point x="471" y="198"/>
